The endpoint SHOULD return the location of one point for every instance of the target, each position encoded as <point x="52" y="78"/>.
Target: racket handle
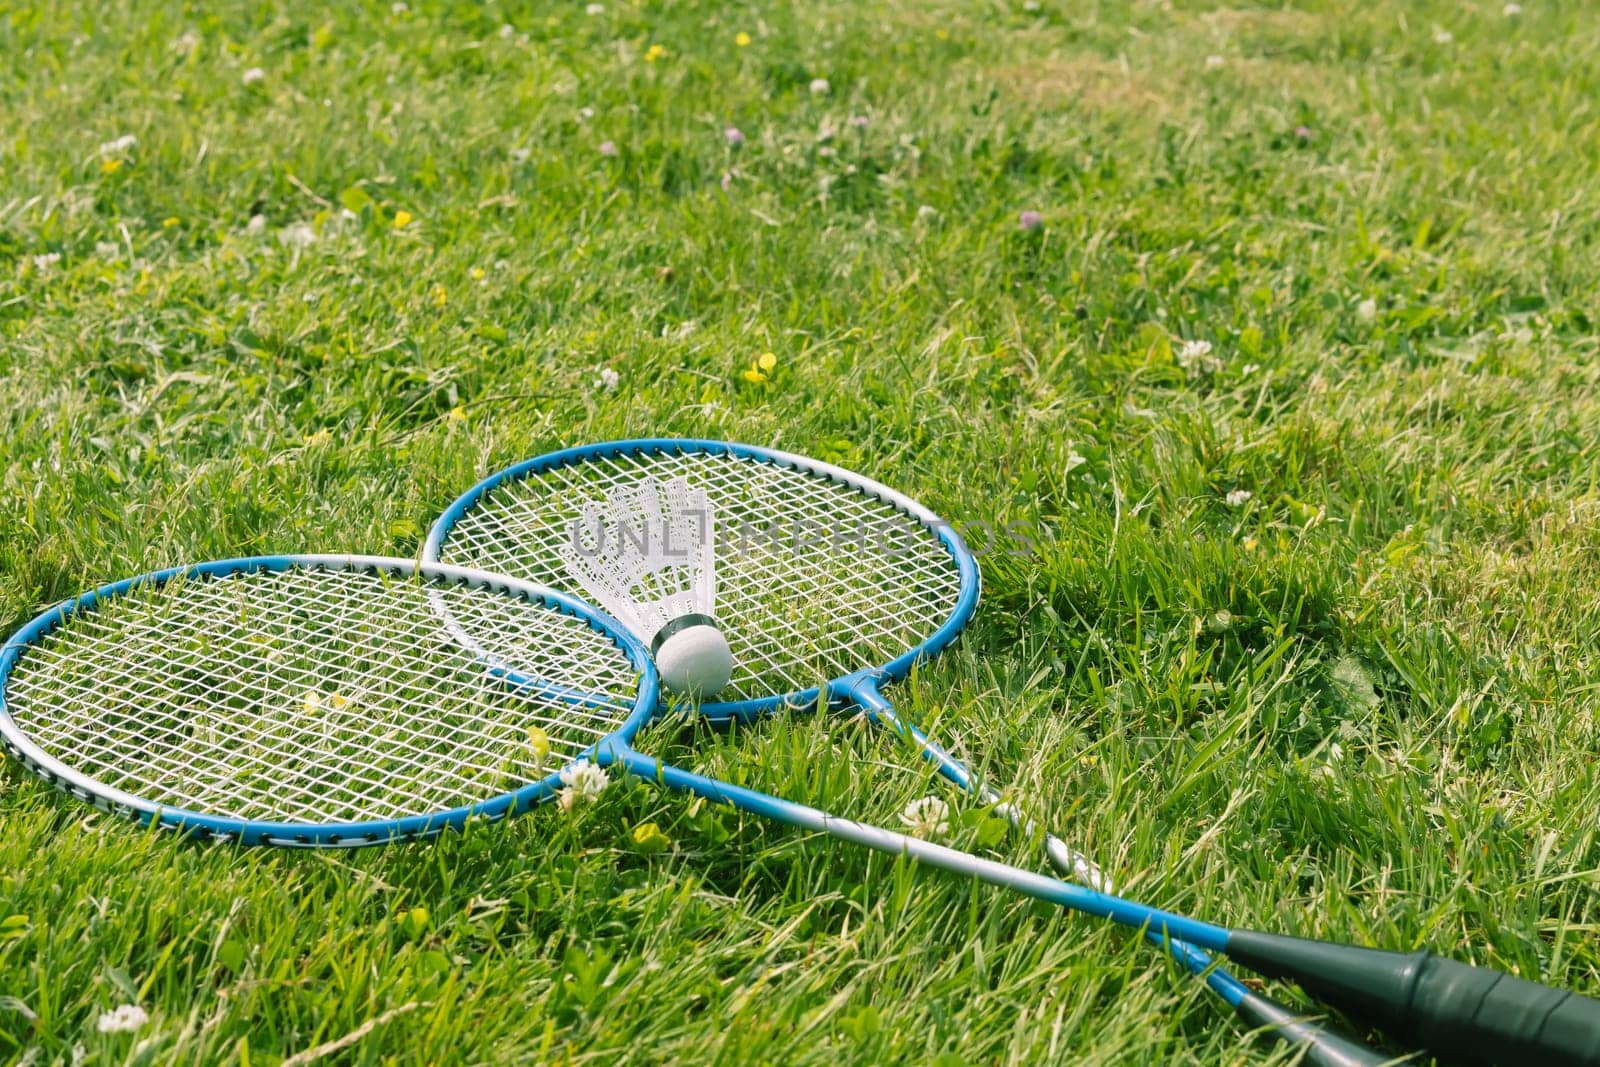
<point x="1457" y="1012"/>
<point x="1323" y="1048"/>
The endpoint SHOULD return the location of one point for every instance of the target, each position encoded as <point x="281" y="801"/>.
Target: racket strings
<point x="815" y="578"/>
<point x="314" y="695"/>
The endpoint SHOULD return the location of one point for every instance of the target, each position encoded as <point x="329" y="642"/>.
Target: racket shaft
<point x="1040" y="887"/>
<point x="1567" y="1029"/>
<point x="1324" y="1048"/>
<point x="1066" y="859"/>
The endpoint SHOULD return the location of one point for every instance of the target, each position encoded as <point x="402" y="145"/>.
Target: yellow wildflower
<point x="742" y="39"/>
<point x="653" y="53"/>
<point x="478" y="274"/>
<point x="761" y="369"/>
<point x="647" y="837"/>
<point x="402" y="219"/>
<point x="110" y="166"/>
<point x="439" y="296"/>
<point x="312" y="702"/>
<point x="539" y="743"/>
<point x="170" y="221"/>
<point x="321" y="437"/>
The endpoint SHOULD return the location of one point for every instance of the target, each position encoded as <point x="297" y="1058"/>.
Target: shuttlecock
<point x="647" y="553"/>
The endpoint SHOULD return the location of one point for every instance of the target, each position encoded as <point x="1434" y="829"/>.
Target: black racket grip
<point x="1461" y="1014"/>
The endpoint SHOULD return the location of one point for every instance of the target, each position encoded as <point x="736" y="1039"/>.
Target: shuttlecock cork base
<point x="692" y="656"/>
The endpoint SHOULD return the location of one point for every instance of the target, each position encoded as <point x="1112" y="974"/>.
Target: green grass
<point x="1362" y="704"/>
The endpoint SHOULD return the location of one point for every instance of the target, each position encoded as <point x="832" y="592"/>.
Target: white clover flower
<point x="1511" y="11"/>
<point x="584" y="783"/>
<point x="820" y="87"/>
<point x="608" y="379"/>
<point x="107" y="249"/>
<point x="585" y="114"/>
<point x="253" y="75"/>
<point x="927" y="213"/>
<point x="595" y="9"/>
<point x="1238" y="498"/>
<point x="1367" y="310"/>
<point x="257" y="224"/>
<point x="1196" y="358"/>
<point x="1443" y="37"/>
<point x="507" y="31"/>
<point x="187" y="43"/>
<point x="297" y="235"/>
<point x="45" y="260"/>
<point x="399" y="7"/>
<point x="1214" y="61"/>
<point x="926" y="817"/>
<point x="123" y="1020"/>
<point x="118" y="146"/>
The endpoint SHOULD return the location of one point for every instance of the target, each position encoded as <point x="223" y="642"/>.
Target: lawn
<point x="1293" y="367"/>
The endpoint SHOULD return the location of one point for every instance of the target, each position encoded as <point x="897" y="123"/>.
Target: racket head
<point x="184" y="697"/>
<point x="507" y="521"/>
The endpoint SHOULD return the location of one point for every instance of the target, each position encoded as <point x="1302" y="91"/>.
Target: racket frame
<point x="15" y="740"/>
<point x="838" y="692"/>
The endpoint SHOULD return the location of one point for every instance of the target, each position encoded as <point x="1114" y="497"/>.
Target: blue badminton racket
<point x="328" y="702"/>
<point x="314" y="700"/>
<point x="829" y="586"/>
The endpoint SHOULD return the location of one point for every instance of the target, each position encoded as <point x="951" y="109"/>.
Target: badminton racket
<point x="327" y="701"/>
<point x="830" y="585"/>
